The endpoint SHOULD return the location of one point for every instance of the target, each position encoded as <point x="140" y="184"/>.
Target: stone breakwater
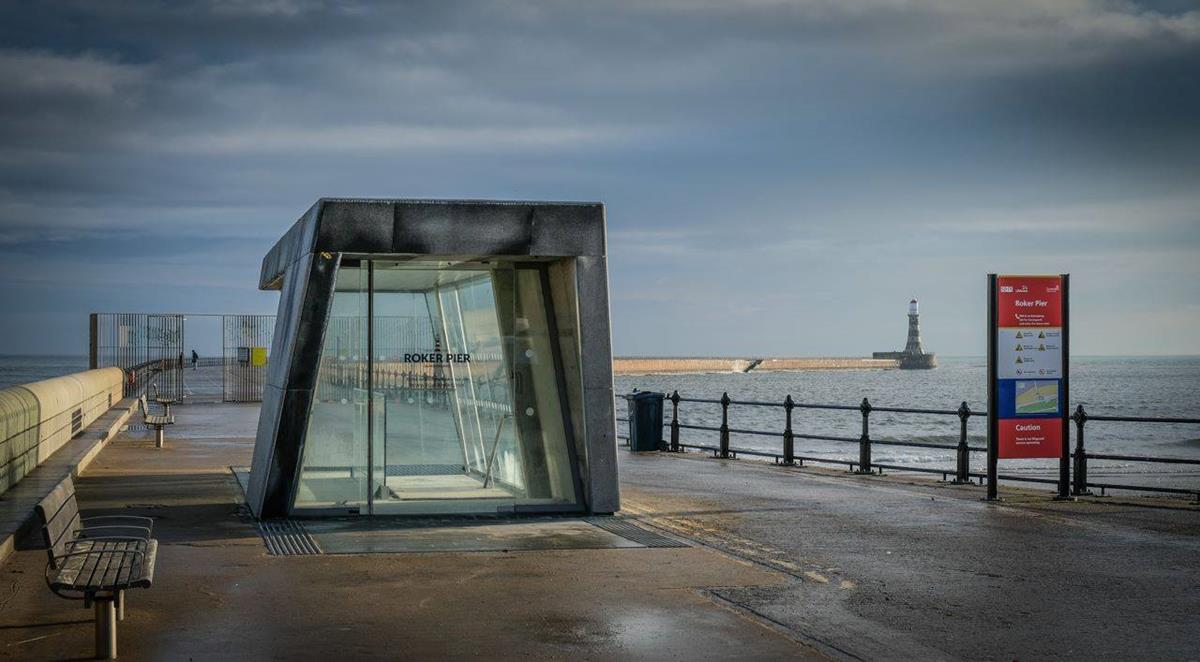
<point x="646" y="365"/>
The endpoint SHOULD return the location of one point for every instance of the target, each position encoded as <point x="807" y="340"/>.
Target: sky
<point x="780" y="178"/>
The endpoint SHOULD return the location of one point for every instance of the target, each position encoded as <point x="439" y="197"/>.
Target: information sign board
<point x="1029" y="365"/>
<point x="1028" y="373"/>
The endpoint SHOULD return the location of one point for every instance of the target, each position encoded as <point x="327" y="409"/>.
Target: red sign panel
<point x="1030" y="437"/>
<point x="1029" y="301"/>
<point x="1029" y="366"/>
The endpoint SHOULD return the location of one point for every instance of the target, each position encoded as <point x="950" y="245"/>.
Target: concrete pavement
<point x="218" y="595"/>
<point x="908" y="569"/>
<point x="785" y="563"/>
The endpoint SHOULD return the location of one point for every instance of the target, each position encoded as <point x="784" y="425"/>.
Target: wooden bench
<point x="158" y="422"/>
<point x="95" y="559"/>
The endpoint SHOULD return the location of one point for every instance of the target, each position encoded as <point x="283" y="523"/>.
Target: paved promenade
<point x="904" y="569"/>
<point x="779" y="564"/>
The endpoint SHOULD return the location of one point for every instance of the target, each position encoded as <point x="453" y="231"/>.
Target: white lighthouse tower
<point x="913" y="357"/>
<point x="913" y="346"/>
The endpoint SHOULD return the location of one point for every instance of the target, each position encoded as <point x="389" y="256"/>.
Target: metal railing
<point x="172" y="371"/>
<point x="961" y="472"/>
<point x="1080" y="457"/>
<point x="139" y="377"/>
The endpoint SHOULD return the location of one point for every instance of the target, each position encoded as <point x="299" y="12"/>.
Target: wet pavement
<point x="907" y="569"/>
<point x="782" y="564"/>
<point x="219" y="594"/>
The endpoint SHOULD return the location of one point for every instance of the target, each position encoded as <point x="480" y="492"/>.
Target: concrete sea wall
<point x="39" y="418"/>
<point x="674" y="365"/>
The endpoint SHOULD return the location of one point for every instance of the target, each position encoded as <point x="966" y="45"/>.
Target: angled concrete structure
<point x="438" y="357"/>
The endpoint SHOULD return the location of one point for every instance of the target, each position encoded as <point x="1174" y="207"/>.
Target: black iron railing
<point x="1079" y="479"/>
<point x="961" y="472"/>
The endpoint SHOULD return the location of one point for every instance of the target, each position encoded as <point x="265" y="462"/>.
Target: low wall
<point x="671" y="365"/>
<point x="832" y="363"/>
<point x="38" y="419"/>
<point x="655" y="366"/>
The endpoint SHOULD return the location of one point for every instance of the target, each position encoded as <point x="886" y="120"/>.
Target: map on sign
<point x="1036" y="397"/>
<point x="1029" y="353"/>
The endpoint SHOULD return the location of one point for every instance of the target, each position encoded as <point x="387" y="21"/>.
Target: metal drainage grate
<point x="285" y="537"/>
<point x="634" y="533"/>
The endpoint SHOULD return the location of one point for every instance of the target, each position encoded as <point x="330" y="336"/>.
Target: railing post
<point x="963" y="475"/>
<point x="789" y="449"/>
<point x="724" y="426"/>
<point x="864" y="442"/>
<point x="1080" y="478"/>
<point x="675" y="422"/>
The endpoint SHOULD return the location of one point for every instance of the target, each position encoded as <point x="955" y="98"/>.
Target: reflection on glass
<point x="467" y="413"/>
<point x="334" y="469"/>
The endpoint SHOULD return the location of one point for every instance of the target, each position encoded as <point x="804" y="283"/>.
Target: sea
<point x="1110" y="386"/>
<point x="15" y="369"/>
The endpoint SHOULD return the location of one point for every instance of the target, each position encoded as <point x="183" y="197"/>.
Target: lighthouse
<point x="913" y="357"/>
<point x="913" y="346"/>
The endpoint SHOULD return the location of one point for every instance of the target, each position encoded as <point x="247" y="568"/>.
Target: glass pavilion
<point x="438" y="357"/>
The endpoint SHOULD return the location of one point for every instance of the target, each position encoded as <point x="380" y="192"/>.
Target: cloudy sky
<point x="780" y="177"/>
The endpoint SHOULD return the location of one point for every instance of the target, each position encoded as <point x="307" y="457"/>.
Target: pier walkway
<point x="768" y="563"/>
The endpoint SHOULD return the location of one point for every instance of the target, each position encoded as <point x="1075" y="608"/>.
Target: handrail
<point x="962" y="472"/>
<point x="813" y="405"/>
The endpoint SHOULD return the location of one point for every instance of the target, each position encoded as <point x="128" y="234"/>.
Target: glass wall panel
<point x="478" y="424"/>
<point x="334" y="470"/>
<point x="467" y="414"/>
<point x="538" y="401"/>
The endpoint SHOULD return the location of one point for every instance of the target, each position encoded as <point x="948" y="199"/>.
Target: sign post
<point x="1028" y="358"/>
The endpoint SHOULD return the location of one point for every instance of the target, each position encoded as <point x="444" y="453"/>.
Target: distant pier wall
<point x="676" y="365"/>
<point x="909" y="361"/>
<point x="39" y="418"/>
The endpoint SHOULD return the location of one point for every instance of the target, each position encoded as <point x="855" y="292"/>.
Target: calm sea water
<point x="1135" y="386"/>
<point x="1138" y="386"/>
<point x="24" y="369"/>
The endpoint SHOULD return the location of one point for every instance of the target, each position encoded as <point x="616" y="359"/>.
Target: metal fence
<point x="145" y="346"/>
<point x="245" y="343"/>
<point x="1080" y="456"/>
<point x="962" y="473"/>
<point x="150" y="348"/>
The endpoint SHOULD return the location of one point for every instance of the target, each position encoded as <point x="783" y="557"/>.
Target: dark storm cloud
<point x="831" y="135"/>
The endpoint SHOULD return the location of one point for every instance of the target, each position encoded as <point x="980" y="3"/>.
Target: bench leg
<point x="158" y="436"/>
<point x="120" y="605"/>
<point x="106" y="629"/>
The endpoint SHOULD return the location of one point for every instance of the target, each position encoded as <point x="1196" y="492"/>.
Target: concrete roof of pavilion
<point x="463" y="229"/>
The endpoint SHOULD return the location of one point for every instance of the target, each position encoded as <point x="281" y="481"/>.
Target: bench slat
<point x="109" y="566"/>
<point x="59" y="513"/>
<point x="90" y="563"/>
<point x="123" y="565"/>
